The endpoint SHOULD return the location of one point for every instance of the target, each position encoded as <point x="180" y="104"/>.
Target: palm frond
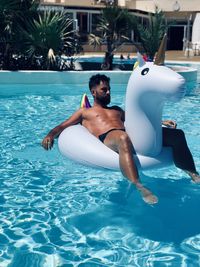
<point x="95" y="40"/>
<point x="113" y="25"/>
<point x="152" y="34"/>
<point x="50" y="31"/>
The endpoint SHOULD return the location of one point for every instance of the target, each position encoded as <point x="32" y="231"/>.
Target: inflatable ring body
<point x="148" y="89"/>
<point x="78" y="144"/>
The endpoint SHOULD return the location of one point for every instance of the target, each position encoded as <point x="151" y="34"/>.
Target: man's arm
<point x="48" y="141"/>
<point x="122" y="112"/>
<point x="123" y="115"/>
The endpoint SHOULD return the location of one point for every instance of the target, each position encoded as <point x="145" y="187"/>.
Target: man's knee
<point x="179" y="140"/>
<point x="173" y="137"/>
<point x="180" y="133"/>
<point x="180" y="136"/>
<point x="124" y="141"/>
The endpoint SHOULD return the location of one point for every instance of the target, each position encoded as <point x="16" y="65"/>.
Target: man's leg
<point x="119" y="141"/>
<point x="182" y="156"/>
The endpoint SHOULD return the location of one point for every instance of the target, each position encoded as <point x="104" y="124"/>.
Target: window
<point x="82" y="22"/>
<point x="95" y="21"/>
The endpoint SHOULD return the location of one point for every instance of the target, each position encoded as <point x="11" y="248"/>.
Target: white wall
<point x="185" y="5"/>
<point x="144" y="5"/>
<point x="165" y="5"/>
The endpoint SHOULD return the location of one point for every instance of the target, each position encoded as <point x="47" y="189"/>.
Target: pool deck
<point x="180" y="56"/>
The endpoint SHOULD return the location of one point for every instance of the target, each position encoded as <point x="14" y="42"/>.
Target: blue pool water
<point x="116" y="60"/>
<point x="54" y="212"/>
<point x="125" y="60"/>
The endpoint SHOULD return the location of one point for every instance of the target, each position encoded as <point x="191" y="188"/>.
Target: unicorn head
<point x="149" y="86"/>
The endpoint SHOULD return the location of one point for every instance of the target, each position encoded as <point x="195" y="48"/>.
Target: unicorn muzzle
<point x="178" y="90"/>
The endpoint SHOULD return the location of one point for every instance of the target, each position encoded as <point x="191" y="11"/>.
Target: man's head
<point x="99" y="85"/>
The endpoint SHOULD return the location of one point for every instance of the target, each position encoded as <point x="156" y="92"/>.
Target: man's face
<point x="101" y="93"/>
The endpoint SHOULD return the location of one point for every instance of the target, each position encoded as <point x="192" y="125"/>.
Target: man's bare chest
<point x="104" y="114"/>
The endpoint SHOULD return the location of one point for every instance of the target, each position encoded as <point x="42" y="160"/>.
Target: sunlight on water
<point x="57" y="213"/>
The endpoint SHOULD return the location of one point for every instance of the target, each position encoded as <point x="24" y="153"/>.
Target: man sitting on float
<point x="117" y="130"/>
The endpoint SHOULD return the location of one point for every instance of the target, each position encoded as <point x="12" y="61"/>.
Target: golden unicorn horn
<point x="160" y="56"/>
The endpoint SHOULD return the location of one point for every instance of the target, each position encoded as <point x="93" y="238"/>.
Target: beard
<point x="104" y="100"/>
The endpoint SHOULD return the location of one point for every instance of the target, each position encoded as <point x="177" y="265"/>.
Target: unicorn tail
<point x="85" y="103"/>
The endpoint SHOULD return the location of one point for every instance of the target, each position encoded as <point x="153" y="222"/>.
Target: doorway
<point x="175" y="38"/>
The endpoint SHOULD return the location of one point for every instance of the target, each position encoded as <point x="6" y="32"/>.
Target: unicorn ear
<point x="140" y="59"/>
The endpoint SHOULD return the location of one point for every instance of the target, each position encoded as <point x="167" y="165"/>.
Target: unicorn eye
<point x="145" y="71"/>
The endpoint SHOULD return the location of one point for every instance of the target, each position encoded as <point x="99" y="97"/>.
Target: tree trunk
<point x="108" y="61"/>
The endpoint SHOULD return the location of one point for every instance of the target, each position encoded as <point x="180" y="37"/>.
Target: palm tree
<point x="113" y="26"/>
<point x="13" y="13"/>
<point x="151" y="35"/>
<point x="47" y="37"/>
<point x="28" y="35"/>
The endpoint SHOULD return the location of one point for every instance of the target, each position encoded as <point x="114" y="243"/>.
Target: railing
<point x="106" y="2"/>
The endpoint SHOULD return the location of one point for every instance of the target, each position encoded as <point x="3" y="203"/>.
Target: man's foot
<point x="195" y="176"/>
<point x="147" y="195"/>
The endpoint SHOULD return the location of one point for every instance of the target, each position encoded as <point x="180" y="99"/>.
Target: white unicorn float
<point x="151" y="84"/>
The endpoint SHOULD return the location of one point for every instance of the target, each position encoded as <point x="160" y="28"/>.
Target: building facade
<point x="181" y="15"/>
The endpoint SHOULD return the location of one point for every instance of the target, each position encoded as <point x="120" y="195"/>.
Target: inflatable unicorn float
<point x="150" y="85"/>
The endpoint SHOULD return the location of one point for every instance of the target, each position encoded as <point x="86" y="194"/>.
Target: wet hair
<point x="96" y="79"/>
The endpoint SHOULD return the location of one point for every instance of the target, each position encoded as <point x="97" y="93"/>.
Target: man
<point x="107" y="124"/>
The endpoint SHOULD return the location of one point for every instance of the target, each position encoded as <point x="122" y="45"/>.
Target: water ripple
<point x="56" y="213"/>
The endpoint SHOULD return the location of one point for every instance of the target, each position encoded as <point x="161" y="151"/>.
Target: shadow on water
<point x="175" y="218"/>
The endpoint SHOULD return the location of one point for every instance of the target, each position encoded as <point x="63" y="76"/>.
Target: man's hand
<point x="47" y="142"/>
<point x="169" y="123"/>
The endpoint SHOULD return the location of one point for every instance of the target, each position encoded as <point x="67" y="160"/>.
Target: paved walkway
<point x="180" y="56"/>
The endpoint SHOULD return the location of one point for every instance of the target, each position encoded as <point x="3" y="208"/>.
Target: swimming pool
<point x="99" y="59"/>
<point x="57" y="213"/>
